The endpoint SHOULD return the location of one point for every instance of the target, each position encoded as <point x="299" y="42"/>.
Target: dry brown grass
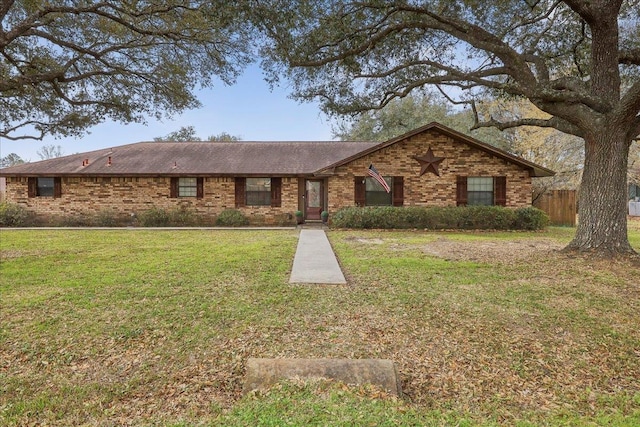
<point x="154" y="327"/>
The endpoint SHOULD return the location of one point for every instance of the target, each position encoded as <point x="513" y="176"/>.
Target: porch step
<point x="315" y="225"/>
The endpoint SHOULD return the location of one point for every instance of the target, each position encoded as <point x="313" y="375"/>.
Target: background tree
<point x="10" y="160"/>
<point x="576" y="60"/>
<point x="402" y="115"/>
<point x="189" y="134"/>
<point x="223" y="137"/>
<point x="66" y="66"/>
<point x="50" y="152"/>
<point x="184" y="134"/>
<point x="397" y="117"/>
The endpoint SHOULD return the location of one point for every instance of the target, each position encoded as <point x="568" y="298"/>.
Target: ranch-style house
<point x="269" y="181"/>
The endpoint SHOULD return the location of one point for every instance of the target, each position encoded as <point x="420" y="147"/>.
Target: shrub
<point x="106" y="218"/>
<point x="12" y="215"/>
<point x="183" y="217"/>
<point x="530" y="218"/>
<point x="75" y="220"/>
<point x="438" y="218"/>
<point x="286" y="220"/>
<point x="352" y="217"/>
<point x="486" y="218"/>
<point x="158" y="217"/>
<point x="155" y="217"/>
<point x="231" y="218"/>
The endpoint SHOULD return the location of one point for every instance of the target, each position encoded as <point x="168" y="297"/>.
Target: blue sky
<point x="248" y="109"/>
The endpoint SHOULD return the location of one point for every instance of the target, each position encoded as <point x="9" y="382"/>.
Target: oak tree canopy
<point x="576" y="60"/>
<point x="66" y="66"/>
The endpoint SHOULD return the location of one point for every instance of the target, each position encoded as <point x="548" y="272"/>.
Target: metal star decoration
<point x="429" y="163"/>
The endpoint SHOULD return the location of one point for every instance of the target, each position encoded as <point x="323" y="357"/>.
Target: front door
<point x="313" y="199"/>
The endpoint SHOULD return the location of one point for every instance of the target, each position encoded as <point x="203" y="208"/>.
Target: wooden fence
<point x="560" y="205"/>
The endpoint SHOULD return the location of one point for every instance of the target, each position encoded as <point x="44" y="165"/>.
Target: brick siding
<point x="430" y="189"/>
<point x="129" y="196"/>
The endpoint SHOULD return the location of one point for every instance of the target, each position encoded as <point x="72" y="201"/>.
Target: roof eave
<point x="155" y="174"/>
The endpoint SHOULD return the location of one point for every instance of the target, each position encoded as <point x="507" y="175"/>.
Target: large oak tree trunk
<point x="602" y="212"/>
<point x="602" y="221"/>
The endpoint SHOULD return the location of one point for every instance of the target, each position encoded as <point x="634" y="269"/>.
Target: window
<point x="258" y="192"/>
<point x="375" y="194"/>
<point x="369" y="192"/>
<point x="44" y="187"/>
<point x="187" y="187"/>
<point x="481" y="191"/>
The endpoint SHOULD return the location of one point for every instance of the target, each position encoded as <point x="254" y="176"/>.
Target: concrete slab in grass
<point x="262" y="373"/>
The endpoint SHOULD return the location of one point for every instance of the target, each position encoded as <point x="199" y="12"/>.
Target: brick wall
<point x="124" y="196"/>
<point x="429" y="189"/>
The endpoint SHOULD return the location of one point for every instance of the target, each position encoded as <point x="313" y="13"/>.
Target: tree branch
<point x="553" y="122"/>
<point x="629" y="105"/>
<point x="476" y="36"/>
<point x="630" y="57"/>
<point x="635" y="129"/>
<point x="82" y="63"/>
<point x="5" y="5"/>
<point x="8" y="131"/>
<point x="589" y="11"/>
<point x="513" y="75"/>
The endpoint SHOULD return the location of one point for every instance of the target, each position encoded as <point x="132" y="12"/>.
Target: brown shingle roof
<point x="236" y="158"/>
<point x="197" y="158"/>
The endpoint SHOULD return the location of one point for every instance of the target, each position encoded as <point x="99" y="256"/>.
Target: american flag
<point x="376" y="175"/>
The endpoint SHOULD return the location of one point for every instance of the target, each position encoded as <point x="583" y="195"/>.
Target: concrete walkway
<point x="315" y="261"/>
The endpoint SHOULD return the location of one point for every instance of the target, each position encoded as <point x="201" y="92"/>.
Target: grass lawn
<point x="150" y="327"/>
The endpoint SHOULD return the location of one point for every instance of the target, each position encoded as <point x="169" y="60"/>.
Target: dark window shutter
<point x="360" y="189"/>
<point x="276" y="192"/>
<point x="500" y="190"/>
<point x="461" y="191"/>
<point x="240" y="191"/>
<point x="32" y="187"/>
<point x="173" y="188"/>
<point x="398" y="190"/>
<point x="57" y="188"/>
<point x="199" y="188"/>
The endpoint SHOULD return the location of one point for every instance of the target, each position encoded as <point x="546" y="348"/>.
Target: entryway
<point x="313" y="199"/>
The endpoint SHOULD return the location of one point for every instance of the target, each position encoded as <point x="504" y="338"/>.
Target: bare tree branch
<point x="553" y="122"/>
<point x="630" y="57"/>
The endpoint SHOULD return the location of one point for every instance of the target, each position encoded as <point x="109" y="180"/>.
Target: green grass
<point x="151" y="327"/>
